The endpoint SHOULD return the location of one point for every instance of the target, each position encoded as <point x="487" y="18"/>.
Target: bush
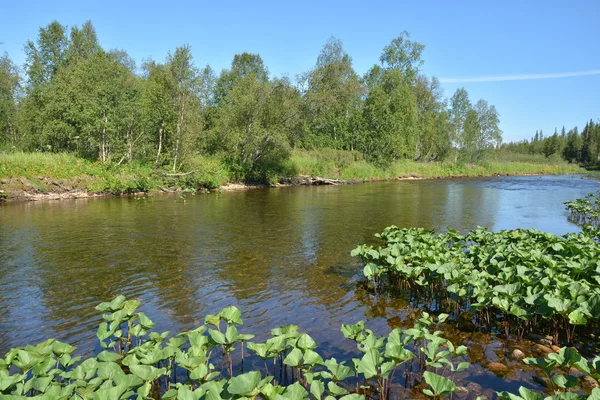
<point x="209" y="172"/>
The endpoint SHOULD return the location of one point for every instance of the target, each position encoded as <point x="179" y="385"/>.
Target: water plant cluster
<point x="137" y="362"/>
<point x="559" y="370"/>
<point x="516" y="282"/>
<point x="585" y="211"/>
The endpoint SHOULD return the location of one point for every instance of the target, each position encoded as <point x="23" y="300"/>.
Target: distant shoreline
<point x="61" y="191"/>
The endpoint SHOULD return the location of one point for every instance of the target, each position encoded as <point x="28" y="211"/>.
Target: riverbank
<point x="39" y="176"/>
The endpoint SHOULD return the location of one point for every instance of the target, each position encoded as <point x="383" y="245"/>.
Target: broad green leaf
<point x="147" y="372"/>
<point x="317" y="388"/>
<point x="244" y="384"/>
<point x="109" y="356"/>
<point x="439" y="384"/>
<point x="306" y="342"/>
<point x="232" y="315"/>
<point x="335" y="389"/>
<point x="293" y="358"/>
<point x="217" y="336"/>
<point x="370" y="363"/>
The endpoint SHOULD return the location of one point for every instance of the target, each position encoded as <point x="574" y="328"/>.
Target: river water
<point x="281" y="255"/>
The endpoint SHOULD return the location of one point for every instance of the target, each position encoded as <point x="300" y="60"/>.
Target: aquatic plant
<point x="560" y="371"/>
<point x="137" y="362"/>
<point x="517" y="282"/>
<point x="585" y="211"/>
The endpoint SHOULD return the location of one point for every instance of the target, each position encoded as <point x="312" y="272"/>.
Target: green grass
<point x="504" y="156"/>
<point x="353" y="168"/>
<point x="49" y="172"/>
<point x="40" y="171"/>
<point x="58" y="166"/>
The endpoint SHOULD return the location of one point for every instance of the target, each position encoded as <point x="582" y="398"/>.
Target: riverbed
<point x="281" y="255"/>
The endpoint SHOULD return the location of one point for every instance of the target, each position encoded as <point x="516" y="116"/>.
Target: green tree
<point x="84" y="102"/>
<point x="158" y="114"/>
<point x="47" y="55"/>
<point x="332" y="97"/>
<point x="489" y="121"/>
<point x="460" y="105"/>
<point x="242" y="66"/>
<point x="471" y="137"/>
<point x="44" y="58"/>
<point x="185" y="99"/>
<point x="433" y="123"/>
<point x="389" y="121"/>
<point x="404" y="55"/>
<point x="572" y="150"/>
<point x="130" y="118"/>
<point x="250" y="128"/>
<point x="9" y="86"/>
<point x="83" y="43"/>
<point x="590" y="143"/>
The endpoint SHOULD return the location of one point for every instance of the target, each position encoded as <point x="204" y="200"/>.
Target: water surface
<point x="280" y="255"/>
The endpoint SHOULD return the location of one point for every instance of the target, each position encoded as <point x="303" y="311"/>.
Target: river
<point x="281" y="255"/>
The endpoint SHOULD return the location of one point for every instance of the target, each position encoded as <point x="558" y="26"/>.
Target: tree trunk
<point x="178" y="138"/>
<point x="130" y="141"/>
<point x="103" y="140"/>
<point x="160" y="141"/>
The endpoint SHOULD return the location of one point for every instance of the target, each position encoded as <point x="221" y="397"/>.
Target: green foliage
<point x="82" y="99"/>
<point x="338" y="164"/>
<point x="569" y="146"/>
<point x="585" y="211"/>
<point x="332" y="97"/>
<point x="9" y="85"/>
<point x="403" y="55"/>
<point x="139" y="362"/>
<point x="208" y="172"/>
<point x="68" y="172"/>
<point x="558" y="371"/>
<point x="440" y="386"/>
<point x="249" y="130"/>
<point x="534" y="280"/>
<point x="389" y="121"/>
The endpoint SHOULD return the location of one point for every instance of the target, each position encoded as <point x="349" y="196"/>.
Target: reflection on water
<point x="280" y="255"/>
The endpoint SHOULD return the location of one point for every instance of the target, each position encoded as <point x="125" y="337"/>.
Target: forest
<point x="572" y="146"/>
<point x="73" y="96"/>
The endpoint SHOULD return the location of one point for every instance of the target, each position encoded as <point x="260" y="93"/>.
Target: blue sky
<point x="464" y="39"/>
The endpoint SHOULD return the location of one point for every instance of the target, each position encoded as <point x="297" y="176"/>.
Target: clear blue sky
<point x="463" y="39"/>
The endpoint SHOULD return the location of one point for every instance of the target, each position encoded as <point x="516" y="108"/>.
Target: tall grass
<point x="352" y="167"/>
<point x="57" y="166"/>
<point x="75" y="173"/>
<point x="42" y="171"/>
<point x="503" y="156"/>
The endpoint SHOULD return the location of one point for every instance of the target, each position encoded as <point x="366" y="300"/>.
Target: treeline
<point x="574" y="147"/>
<point x="74" y="96"/>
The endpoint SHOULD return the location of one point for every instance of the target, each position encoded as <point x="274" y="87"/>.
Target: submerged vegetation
<point x="585" y="211"/>
<point x="137" y="362"/>
<point x="515" y="282"/>
<point x="512" y="284"/>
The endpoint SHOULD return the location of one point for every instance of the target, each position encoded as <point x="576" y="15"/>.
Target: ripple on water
<point x="281" y="256"/>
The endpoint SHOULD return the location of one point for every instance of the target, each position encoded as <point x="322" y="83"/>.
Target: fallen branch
<point x="315" y="180"/>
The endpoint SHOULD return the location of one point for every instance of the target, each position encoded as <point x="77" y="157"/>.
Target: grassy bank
<point x="26" y="175"/>
<point x="31" y="175"/>
<point x="348" y="166"/>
